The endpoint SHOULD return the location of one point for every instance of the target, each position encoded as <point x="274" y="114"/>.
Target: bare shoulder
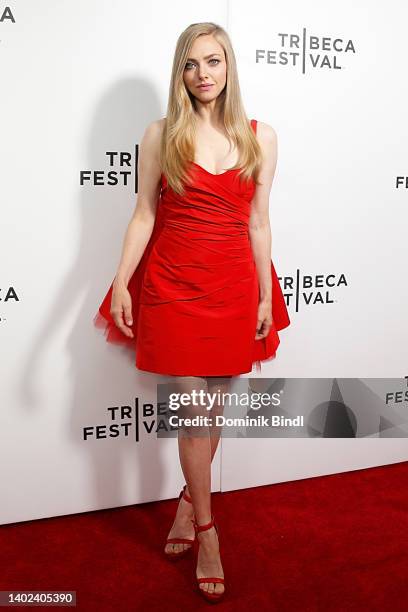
<point x="150" y="143"/>
<point x="157" y="125"/>
<point x="268" y="141"/>
<point x="153" y="131"/>
<point x="266" y="133"/>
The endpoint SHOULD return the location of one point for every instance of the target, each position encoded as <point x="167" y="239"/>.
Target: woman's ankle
<point x="202" y="520"/>
<point x="209" y="541"/>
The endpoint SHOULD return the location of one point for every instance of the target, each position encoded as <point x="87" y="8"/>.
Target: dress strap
<point x="253" y="124"/>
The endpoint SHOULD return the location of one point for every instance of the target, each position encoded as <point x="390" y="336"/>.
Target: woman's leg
<point x="182" y="526"/>
<point x="195" y="458"/>
<point x="195" y="452"/>
<point x="214" y="384"/>
<point x="197" y="446"/>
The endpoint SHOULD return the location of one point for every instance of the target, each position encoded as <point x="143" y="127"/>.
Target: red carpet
<point x="331" y="543"/>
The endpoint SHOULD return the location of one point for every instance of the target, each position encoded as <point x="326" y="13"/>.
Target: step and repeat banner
<point x="81" y="427"/>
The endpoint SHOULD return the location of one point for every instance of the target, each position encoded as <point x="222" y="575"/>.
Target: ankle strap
<point x="184" y="495"/>
<point x="199" y="528"/>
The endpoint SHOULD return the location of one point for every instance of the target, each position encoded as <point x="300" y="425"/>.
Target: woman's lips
<point x="205" y="86"/>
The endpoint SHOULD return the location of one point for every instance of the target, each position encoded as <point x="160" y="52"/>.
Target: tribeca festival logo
<point x="308" y="289"/>
<point x="145" y="418"/>
<point x="120" y="165"/>
<point x="129" y="421"/>
<point x="304" y="51"/>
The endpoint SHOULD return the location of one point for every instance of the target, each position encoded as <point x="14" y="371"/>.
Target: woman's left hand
<point x="264" y="322"/>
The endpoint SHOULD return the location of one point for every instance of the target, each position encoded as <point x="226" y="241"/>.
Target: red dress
<point x="195" y="291"/>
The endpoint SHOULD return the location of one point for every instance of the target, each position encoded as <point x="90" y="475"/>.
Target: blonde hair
<point x="177" y="142"/>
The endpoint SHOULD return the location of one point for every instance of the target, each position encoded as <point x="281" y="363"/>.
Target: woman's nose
<point x="202" y="71"/>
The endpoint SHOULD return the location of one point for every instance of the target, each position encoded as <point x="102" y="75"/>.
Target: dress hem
<point x="114" y="336"/>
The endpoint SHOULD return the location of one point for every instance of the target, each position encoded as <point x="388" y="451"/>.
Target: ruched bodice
<point x="201" y="241"/>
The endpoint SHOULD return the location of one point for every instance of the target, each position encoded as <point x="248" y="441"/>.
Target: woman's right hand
<point x="121" y="308"/>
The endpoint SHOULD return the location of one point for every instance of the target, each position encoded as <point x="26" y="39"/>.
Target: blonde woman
<point x="196" y="293"/>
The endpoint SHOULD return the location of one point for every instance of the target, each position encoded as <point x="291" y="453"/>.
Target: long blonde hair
<point x="178" y="136"/>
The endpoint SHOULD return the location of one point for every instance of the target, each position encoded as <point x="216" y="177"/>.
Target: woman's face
<point x="205" y="72"/>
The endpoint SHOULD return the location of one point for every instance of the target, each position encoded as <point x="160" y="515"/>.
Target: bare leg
<point x="196" y="449"/>
<point x="209" y="561"/>
<point x="182" y="526"/>
<point x="195" y="458"/>
<point x="199" y="481"/>
<point x="198" y="444"/>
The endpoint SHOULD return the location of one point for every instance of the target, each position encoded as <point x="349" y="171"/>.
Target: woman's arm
<point x="259" y="226"/>
<point x="140" y="226"/>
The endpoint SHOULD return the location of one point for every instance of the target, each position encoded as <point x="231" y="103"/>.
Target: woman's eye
<point x="189" y="64"/>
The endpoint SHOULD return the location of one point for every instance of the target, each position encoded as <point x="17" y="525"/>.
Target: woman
<point x="195" y="282"/>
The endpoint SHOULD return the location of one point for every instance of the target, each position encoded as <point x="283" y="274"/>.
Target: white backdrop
<point x="77" y="84"/>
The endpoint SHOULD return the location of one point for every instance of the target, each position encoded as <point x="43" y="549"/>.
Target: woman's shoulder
<point x="155" y="127"/>
<point x="152" y="136"/>
<point x="265" y="132"/>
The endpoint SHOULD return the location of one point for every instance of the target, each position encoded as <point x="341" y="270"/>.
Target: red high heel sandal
<point x="176" y="555"/>
<point x="213" y="597"/>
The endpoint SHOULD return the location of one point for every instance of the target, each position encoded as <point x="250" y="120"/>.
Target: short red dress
<point x="195" y="291"/>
